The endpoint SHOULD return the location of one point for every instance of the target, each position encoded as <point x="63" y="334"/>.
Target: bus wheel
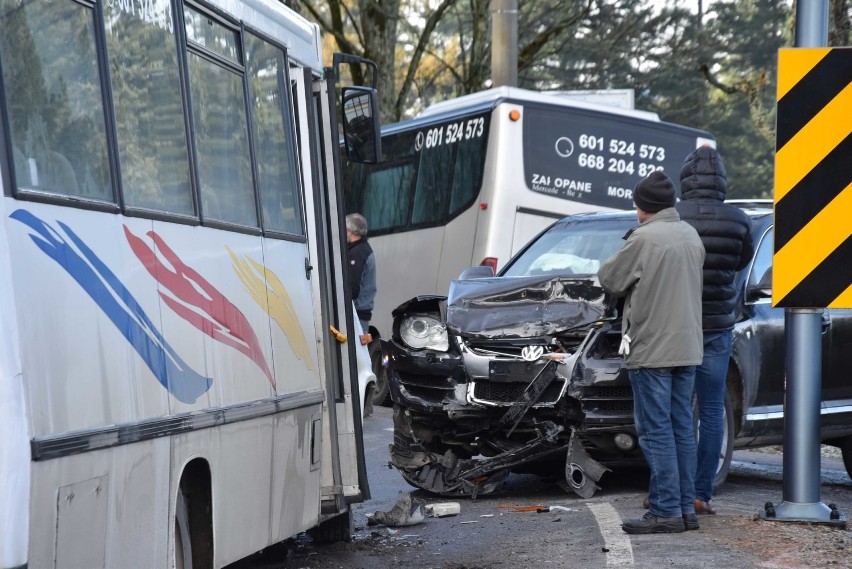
<point x="381" y="393"/>
<point x="182" y="539"/>
<point x="333" y="530"/>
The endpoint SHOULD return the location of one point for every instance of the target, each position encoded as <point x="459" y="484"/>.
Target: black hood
<point x="703" y="175"/>
<point x="522" y="307"/>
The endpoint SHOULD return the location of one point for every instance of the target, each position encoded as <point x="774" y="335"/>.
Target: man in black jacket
<point x="725" y="231"/>
<point x="362" y="268"/>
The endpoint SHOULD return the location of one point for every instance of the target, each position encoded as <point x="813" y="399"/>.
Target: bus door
<point x="343" y="470"/>
<point x="528" y="224"/>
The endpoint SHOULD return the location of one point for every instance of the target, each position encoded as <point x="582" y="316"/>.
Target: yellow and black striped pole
<point x="813" y="238"/>
<point x="812" y="266"/>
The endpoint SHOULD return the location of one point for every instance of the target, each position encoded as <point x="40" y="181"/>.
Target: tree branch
<point x="433" y="20"/>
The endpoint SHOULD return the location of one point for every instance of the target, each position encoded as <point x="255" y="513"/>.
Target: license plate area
<point x="514" y="371"/>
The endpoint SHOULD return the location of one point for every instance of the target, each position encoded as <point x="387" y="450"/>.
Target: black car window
<point x="761" y="272"/>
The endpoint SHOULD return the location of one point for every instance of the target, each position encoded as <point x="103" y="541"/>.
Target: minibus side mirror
<point x="361" y="127"/>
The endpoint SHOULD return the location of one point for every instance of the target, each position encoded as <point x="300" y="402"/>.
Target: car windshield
<point x="574" y="247"/>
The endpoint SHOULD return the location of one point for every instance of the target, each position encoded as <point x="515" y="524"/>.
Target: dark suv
<point x="520" y="372"/>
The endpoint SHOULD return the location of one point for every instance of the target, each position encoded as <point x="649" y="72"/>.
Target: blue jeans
<point x="710" y="379"/>
<point x="662" y="403"/>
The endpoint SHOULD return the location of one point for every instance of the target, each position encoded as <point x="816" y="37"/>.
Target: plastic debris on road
<point x="407" y="511"/>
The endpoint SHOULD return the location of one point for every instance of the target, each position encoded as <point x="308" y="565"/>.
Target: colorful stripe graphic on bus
<point x="269" y="293"/>
<point x="225" y="322"/>
<point x="118" y="304"/>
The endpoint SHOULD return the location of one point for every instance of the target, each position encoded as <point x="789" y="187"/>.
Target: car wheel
<point x="726" y="450"/>
<point x="845" y="446"/>
<point x="381" y="392"/>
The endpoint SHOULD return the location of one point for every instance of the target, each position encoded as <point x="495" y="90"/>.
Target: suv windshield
<point x="574" y="247"/>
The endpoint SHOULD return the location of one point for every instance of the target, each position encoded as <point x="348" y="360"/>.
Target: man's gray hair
<point x="356" y="223"/>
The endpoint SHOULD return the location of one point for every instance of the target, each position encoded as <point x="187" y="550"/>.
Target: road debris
<point x="556" y="508"/>
<point x="535" y="508"/>
<point x="407" y="511"/>
<point x="443" y="509"/>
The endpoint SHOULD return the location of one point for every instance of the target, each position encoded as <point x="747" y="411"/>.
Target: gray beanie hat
<point x="654" y="192"/>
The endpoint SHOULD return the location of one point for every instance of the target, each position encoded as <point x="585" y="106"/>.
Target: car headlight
<point x="420" y="331"/>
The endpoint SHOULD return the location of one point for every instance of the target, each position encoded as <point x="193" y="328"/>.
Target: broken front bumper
<point x="461" y="431"/>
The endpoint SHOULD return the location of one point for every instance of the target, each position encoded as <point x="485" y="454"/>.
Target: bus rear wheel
<point x="333" y="530"/>
<point x="182" y="539"/>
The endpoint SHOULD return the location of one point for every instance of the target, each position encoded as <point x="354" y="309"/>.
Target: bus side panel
<point x="291" y="310"/>
<point x="295" y="503"/>
<point x="14" y="451"/>
<point x="251" y="512"/>
<point x="210" y="315"/>
<point x="91" y="509"/>
<point x="87" y="313"/>
<point x="456" y="253"/>
<point x="395" y="252"/>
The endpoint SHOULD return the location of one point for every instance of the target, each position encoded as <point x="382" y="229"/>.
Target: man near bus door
<point x="362" y="268"/>
<point x="725" y="232"/>
<point x="658" y="270"/>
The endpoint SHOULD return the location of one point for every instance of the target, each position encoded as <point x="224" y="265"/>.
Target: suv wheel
<point x="846" y="449"/>
<point x="381" y="392"/>
<point x="726" y="450"/>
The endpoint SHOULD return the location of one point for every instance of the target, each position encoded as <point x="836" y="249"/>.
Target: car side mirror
<point x="477" y="272"/>
<point x="762" y="289"/>
<point x="361" y="127"/>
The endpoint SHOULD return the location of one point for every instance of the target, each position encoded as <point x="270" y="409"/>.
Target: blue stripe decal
<point x="101" y="284"/>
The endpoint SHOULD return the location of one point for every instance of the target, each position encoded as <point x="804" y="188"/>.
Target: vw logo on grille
<point x="532" y="353"/>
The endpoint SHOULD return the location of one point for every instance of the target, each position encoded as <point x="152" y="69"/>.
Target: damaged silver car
<point x="520" y="372"/>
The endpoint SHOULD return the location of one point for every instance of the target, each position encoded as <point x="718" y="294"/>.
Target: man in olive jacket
<point x="658" y="270"/>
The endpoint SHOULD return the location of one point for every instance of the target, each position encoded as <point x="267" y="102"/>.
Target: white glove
<point x="624" y="348"/>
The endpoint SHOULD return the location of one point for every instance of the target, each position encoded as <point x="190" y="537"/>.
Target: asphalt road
<point x="579" y="533"/>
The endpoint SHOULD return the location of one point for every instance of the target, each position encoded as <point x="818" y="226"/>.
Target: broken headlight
<point x="419" y="331"/>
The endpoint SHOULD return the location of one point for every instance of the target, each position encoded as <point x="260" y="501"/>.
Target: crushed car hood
<point x="524" y="306"/>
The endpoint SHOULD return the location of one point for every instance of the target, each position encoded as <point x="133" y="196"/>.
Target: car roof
<point x="755" y="208"/>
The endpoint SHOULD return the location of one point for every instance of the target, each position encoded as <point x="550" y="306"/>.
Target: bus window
<point x="439" y="166"/>
<point x="273" y="138"/>
<point x="53" y="97"/>
<point x="468" y="169"/>
<point x="432" y="195"/>
<point x="386" y="196"/>
<point x="220" y="125"/>
<point x="152" y="144"/>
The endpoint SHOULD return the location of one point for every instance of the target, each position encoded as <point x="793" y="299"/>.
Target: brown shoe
<point x="646" y="503"/>
<point x="702" y="507"/>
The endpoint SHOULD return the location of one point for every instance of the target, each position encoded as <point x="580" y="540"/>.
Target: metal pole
<point x="504" y="43"/>
<point x="811" y="23"/>
<point x="803" y="330"/>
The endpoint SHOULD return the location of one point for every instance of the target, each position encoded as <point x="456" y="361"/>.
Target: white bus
<point x="174" y="391"/>
<point x="473" y="179"/>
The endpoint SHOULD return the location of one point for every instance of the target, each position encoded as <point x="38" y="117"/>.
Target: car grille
<point x="505" y="349"/>
<point x="502" y="392"/>
<point x="615" y="399"/>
